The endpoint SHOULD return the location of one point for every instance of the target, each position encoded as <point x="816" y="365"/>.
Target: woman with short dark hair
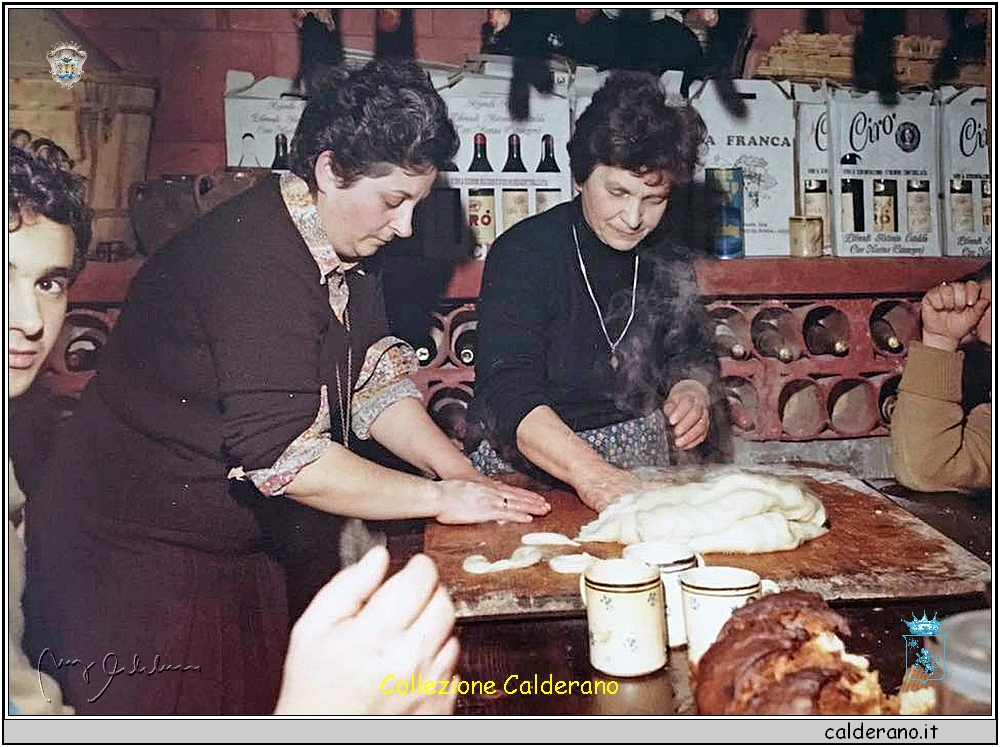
<point x="249" y="361"/>
<point x="593" y="346"/>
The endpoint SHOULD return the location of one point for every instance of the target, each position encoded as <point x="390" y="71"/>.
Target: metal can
<point x="726" y="186"/>
<point x="805" y="236"/>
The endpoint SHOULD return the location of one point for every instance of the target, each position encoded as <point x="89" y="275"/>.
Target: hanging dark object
<point x="321" y="50"/>
<point x="966" y="43"/>
<point x="394" y="33"/>
<point x="874" y="53"/>
<point x="815" y="21"/>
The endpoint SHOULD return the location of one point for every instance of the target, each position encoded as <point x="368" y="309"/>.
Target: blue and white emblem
<point x="66" y="63"/>
<point x="920" y="664"/>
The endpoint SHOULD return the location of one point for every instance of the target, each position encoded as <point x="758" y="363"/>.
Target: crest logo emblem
<point x="66" y="63"/>
<point x="920" y="664"/>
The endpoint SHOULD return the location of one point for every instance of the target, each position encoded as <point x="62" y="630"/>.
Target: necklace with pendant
<point x="613" y="360"/>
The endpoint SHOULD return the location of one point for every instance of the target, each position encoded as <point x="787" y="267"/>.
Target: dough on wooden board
<point x="522" y="557"/>
<point x="733" y="512"/>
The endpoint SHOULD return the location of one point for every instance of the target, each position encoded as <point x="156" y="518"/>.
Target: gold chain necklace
<point x="613" y="360"/>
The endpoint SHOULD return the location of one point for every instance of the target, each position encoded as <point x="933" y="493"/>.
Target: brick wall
<point x="190" y="50"/>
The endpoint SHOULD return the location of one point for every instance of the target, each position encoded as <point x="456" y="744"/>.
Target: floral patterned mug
<point x="710" y="595"/>
<point x="626" y="626"/>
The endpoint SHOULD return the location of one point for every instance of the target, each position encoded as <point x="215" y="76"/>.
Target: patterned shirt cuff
<point x="301" y="452"/>
<point x="383" y="381"/>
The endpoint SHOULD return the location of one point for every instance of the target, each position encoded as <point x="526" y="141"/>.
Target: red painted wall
<point x="190" y="50"/>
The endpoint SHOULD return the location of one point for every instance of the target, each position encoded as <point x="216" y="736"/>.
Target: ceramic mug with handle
<point x="672" y="559"/>
<point x="710" y="594"/>
<point x="626" y="627"/>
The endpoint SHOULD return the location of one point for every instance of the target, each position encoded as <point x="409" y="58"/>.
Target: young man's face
<point x="39" y="268"/>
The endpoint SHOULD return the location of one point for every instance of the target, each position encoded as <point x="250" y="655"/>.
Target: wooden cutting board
<point x="874" y="550"/>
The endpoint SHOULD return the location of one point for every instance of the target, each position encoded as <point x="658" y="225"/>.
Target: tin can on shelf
<point x="726" y="186"/>
<point x="805" y="236"/>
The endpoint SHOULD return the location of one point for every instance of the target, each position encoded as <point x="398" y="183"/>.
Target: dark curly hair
<point x="382" y="113"/>
<point x="40" y="183"/>
<point x="629" y="125"/>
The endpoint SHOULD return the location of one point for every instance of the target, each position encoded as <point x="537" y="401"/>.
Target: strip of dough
<point x="522" y="557"/>
<point x="574" y="564"/>
<point x="547" y="538"/>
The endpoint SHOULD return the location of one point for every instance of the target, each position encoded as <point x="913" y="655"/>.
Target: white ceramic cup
<point x="710" y="594"/>
<point x="626" y="626"/>
<point x="672" y="558"/>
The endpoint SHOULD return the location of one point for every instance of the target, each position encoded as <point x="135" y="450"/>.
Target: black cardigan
<point x="540" y="341"/>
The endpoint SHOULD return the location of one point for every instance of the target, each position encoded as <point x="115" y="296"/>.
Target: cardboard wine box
<point x="965" y="173"/>
<point x="883" y="165"/>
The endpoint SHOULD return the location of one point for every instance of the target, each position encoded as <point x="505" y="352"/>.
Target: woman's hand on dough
<point x="601" y="487"/>
<point x="478" y="500"/>
<point x="687" y="413"/>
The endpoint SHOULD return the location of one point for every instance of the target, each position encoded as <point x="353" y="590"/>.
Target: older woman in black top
<point x="593" y="347"/>
<point x="250" y="358"/>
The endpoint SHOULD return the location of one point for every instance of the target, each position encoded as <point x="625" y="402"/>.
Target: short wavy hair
<point x="630" y="125"/>
<point x="386" y="112"/>
<point x="40" y="183"/>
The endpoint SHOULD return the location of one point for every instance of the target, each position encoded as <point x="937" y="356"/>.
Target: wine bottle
<point x="892" y="326"/>
<point x="884" y="210"/>
<point x="962" y="215"/>
<point x="548" y="164"/>
<point x="741" y="398"/>
<point x="482" y="203"/>
<point x="852" y="198"/>
<point x="448" y="408"/>
<point x="280" y="162"/>
<point x="515" y="201"/>
<point x="887" y="397"/>
<point x="826" y="332"/>
<point x="773" y="336"/>
<point x="464" y="342"/>
<point x="815" y="201"/>
<point x="427" y="350"/>
<point x="727" y="342"/>
<point x="987" y="205"/>
<point x="918" y="206"/>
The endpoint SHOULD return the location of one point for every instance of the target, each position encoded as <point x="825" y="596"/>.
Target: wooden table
<point x="555" y="644"/>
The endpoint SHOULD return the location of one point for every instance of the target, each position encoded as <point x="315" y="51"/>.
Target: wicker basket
<point x="814" y="57"/>
<point x="104" y="122"/>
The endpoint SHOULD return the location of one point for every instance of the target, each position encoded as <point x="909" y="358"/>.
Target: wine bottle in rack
<point x="892" y="325"/>
<point x="885" y="217"/>
<point x="448" y="407"/>
<point x="887" y="396"/>
<point x="852" y="198"/>
<point x="464" y="341"/>
<point x="728" y="342"/>
<point x="515" y="201"/>
<point x="427" y="349"/>
<point x="741" y="398"/>
<point x="482" y="203"/>
<point x="918" y="206"/>
<point x="962" y="212"/>
<point x="826" y="332"/>
<point x="772" y="332"/>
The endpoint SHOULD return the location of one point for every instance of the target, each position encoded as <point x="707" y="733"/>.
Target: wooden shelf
<point x="756" y="277"/>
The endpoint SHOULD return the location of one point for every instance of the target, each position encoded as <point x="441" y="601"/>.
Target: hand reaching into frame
<point x="359" y="637"/>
